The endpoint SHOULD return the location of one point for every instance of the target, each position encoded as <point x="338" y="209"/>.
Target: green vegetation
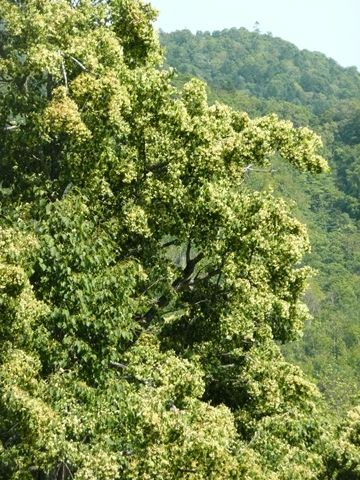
<point x="145" y="281"/>
<point x="263" y="66"/>
<point x="242" y="68"/>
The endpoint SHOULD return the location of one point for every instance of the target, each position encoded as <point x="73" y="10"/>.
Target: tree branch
<point x="210" y="274"/>
<point x="169" y="244"/>
<point x="177" y="285"/>
<point x="118" y="366"/>
<point x="190" y="267"/>
<point x="64" y="75"/>
<point x="188" y="251"/>
<point x="81" y="65"/>
<point x="11" y="127"/>
<point x="131" y="378"/>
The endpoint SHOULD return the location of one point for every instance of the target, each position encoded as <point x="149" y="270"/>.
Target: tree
<point x="143" y="285"/>
<point x="343" y="457"/>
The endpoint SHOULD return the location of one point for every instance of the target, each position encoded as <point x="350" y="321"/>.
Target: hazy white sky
<point x="328" y="26"/>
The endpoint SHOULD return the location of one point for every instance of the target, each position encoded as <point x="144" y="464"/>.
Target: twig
<point x="152" y="285"/>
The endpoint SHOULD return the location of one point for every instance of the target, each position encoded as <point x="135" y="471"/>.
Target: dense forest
<point x="260" y="74"/>
<point x="155" y="264"/>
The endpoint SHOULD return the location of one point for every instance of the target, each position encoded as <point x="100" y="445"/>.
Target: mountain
<point x="261" y="65"/>
<point x="260" y="74"/>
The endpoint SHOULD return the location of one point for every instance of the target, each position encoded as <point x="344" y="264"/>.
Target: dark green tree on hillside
<point x="142" y="284"/>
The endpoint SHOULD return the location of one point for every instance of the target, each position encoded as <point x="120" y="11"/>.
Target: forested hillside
<point x="262" y="65"/>
<point x="260" y="74"/>
<point x="148" y="279"/>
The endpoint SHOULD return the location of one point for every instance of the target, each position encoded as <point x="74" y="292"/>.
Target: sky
<point x="328" y="26"/>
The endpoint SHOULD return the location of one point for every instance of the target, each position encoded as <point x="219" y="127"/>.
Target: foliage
<point x="144" y="283"/>
<point x="329" y="351"/>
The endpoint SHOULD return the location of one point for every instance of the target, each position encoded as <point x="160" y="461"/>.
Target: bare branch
<point x="152" y="285"/>
<point x="169" y="244"/>
<point x="188" y="250"/>
<point x="81" y="65"/>
<point x="189" y="269"/>
<point x="179" y="284"/>
<point x="191" y="264"/>
<point x="69" y="471"/>
<point x="64" y="75"/>
<point x="207" y="276"/>
<point x="204" y="300"/>
<point x="75" y="60"/>
<point x="118" y="366"/>
<point x="11" y="127"/>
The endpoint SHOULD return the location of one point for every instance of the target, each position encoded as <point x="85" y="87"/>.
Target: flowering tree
<point x="144" y="286"/>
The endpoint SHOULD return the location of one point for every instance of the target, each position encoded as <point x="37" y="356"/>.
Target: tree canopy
<point x="144" y="285"/>
<point x="242" y="68"/>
